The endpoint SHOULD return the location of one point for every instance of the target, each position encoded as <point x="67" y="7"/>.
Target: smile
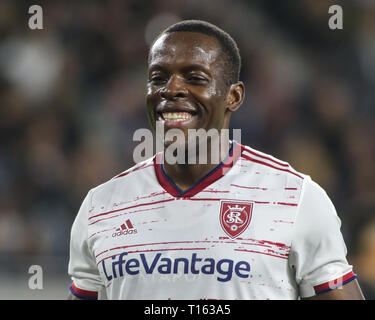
<point x="176" y="116"/>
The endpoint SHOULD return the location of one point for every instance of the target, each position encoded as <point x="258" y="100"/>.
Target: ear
<point x="235" y="97"/>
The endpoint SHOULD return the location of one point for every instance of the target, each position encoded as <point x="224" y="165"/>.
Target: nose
<point x="173" y="89"/>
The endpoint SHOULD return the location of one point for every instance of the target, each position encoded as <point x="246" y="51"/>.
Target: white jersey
<point x="253" y="228"/>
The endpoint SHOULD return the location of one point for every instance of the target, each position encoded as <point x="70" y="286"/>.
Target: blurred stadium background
<point x="72" y="95"/>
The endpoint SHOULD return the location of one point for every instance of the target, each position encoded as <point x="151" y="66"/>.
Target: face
<point x="185" y="83"/>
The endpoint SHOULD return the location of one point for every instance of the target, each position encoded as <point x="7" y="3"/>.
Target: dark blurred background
<point x="72" y="95"/>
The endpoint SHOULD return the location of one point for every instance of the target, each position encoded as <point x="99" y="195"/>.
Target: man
<point x="248" y="227"/>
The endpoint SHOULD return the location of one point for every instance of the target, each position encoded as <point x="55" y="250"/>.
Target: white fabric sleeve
<point x="318" y="251"/>
<point x="82" y="265"/>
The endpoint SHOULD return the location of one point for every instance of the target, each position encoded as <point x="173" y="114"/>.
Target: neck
<point x="186" y="174"/>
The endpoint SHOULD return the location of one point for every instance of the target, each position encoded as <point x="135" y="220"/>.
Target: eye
<point x="197" y="79"/>
<point x="157" y="79"/>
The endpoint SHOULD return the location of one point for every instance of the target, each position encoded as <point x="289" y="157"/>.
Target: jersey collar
<point x="214" y="175"/>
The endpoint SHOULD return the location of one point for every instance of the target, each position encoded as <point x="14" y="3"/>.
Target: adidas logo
<point x="125" y="229"/>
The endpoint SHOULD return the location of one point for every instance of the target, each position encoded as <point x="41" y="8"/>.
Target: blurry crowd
<point x="73" y="93"/>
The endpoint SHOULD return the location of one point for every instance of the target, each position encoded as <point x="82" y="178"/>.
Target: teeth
<point x="176" y="116"/>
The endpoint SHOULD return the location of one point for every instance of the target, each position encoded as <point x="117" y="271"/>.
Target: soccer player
<point x="248" y="227"/>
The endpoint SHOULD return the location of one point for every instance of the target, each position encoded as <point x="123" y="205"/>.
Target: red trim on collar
<point x="210" y="178"/>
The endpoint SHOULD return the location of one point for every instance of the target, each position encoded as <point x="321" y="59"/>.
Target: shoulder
<point x="269" y="164"/>
<point x="136" y="168"/>
<point x="316" y="206"/>
<point x="317" y="217"/>
<point x="140" y="169"/>
<point x="312" y="195"/>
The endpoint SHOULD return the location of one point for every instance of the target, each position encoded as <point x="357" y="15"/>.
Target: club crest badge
<point x="235" y="217"/>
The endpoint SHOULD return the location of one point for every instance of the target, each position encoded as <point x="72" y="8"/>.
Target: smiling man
<point x="193" y="85"/>
<point x="247" y="227"/>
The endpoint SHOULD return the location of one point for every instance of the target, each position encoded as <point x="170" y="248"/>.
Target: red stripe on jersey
<point x="113" y="228"/>
<point x="143" y="166"/>
<point x="275" y="254"/>
<point x="215" y="191"/>
<point x="131" y="207"/>
<point x="246" y="187"/>
<point x="330" y="285"/>
<point x="144" y="244"/>
<point x="121" y="214"/>
<point x="270" y="165"/>
<point x="84" y="294"/>
<point x="219" y="199"/>
<point x="284" y="164"/>
<point x="288" y="204"/>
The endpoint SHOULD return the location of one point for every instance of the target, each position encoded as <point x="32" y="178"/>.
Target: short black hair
<point x="231" y="53"/>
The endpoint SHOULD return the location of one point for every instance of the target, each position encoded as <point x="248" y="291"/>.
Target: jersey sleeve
<point x="82" y="268"/>
<point x="318" y="251"/>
